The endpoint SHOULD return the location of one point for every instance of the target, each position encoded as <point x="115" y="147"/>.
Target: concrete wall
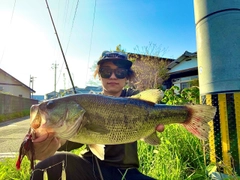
<point x="10" y="104"/>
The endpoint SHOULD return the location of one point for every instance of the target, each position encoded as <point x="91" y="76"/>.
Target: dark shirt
<point x="122" y="155"/>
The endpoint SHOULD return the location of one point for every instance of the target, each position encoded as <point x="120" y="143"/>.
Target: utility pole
<point x="54" y="66"/>
<point x="217" y="30"/>
<point x="31" y="84"/>
<point x="64" y="81"/>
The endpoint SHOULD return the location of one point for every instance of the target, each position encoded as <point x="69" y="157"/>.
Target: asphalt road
<point x="12" y="134"/>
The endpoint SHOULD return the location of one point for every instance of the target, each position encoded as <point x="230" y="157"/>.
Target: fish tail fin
<point x="197" y="123"/>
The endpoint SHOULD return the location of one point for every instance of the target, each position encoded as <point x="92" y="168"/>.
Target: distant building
<point x="38" y="97"/>
<point x="70" y="91"/>
<point x="11" y="85"/>
<point x="89" y="89"/>
<point x="52" y="95"/>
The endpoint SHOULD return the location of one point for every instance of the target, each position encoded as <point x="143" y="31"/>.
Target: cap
<point x="118" y="58"/>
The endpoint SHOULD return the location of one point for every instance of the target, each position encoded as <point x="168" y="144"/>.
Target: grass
<point x="180" y="156"/>
<point x="8" y="170"/>
<point x="6" y="117"/>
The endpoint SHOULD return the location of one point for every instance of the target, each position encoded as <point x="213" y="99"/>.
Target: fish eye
<point x="50" y="105"/>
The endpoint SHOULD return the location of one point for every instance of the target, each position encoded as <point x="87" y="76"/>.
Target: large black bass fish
<point x="95" y="119"/>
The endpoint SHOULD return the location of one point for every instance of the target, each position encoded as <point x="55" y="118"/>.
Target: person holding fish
<point x="116" y="162"/>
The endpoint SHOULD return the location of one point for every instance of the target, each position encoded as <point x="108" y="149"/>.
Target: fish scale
<point x="130" y="118"/>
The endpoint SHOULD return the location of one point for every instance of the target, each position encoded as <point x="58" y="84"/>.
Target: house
<point x="141" y="56"/>
<point x="182" y="71"/>
<point x="11" y="85"/>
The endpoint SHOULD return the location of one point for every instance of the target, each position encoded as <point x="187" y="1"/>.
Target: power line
<point x="69" y="38"/>
<point x="74" y="17"/>
<point x="9" y="27"/>
<point x="90" y="48"/>
<point x="61" y="47"/>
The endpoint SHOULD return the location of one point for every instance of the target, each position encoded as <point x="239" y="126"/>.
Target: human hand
<point x="160" y="128"/>
<point x="45" y="145"/>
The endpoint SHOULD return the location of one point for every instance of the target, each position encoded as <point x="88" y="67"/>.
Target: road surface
<point x="11" y="136"/>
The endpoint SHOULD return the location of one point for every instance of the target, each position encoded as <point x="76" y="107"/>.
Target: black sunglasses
<point x="120" y="73"/>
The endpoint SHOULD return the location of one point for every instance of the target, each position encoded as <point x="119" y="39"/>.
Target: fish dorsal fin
<point x="150" y="95"/>
<point x="152" y="139"/>
<point x="98" y="150"/>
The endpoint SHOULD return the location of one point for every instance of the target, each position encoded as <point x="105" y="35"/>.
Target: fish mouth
<point x="62" y="127"/>
<point x="35" y="117"/>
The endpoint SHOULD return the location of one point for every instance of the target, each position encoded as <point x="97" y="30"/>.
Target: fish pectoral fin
<point x="98" y="150"/>
<point x="97" y="128"/>
<point x="153" y="139"/>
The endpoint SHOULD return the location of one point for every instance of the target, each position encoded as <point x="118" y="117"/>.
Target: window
<point x="184" y="85"/>
<point x="183" y="82"/>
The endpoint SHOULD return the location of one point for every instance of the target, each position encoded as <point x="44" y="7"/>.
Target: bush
<point x="5" y="117"/>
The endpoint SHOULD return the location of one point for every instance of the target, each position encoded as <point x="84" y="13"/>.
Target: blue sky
<point x="29" y="45"/>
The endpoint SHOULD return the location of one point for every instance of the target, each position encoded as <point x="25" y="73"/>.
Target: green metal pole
<point x="218" y="50"/>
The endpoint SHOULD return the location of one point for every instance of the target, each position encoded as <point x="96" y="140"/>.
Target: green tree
<point x="119" y="48"/>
